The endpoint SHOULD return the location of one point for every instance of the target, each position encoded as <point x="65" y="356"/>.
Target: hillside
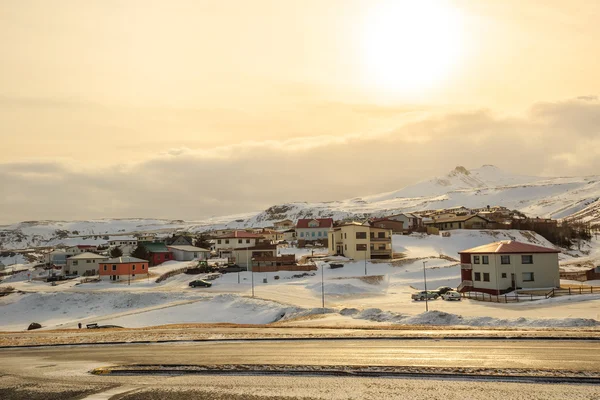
<point x="561" y="197"/>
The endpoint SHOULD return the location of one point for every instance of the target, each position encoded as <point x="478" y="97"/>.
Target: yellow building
<point x="359" y="242"/>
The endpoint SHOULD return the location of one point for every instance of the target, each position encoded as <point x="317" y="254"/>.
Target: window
<point x="345" y="236"/>
<point x="114" y="268"/>
<point x="504" y="259"/>
<point x="361" y="247"/>
<point x="74" y="262"/>
<point x="486" y="276"/>
<point x="475" y="259"/>
<point x="226" y="241"/>
<point x="312" y="234"/>
<point x="133" y="267"/>
<point x="143" y="267"/>
<point x="485" y="259"/>
<point x="372" y="246"/>
<point x="239" y="241"/>
<point x="372" y="235"/>
<point x="345" y="247"/>
<point x="504" y="274"/>
<point x="527" y="259"/>
<point x="105" y="267"/>
<point x="382" y="247"/>
<point x="528" y="277"/>
<point x="88" y="261"/>
<point x="361" y="235"/>
<point x="219" y="241"/>
<point x="247" y="241"/>
<point x="381" y="235"/>
<point x="319" y="234"/>
<point x="301" y="234"/>
<point x="477" y="276"/>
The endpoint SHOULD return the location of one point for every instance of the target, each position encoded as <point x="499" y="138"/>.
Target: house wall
<point x="344" y="241"/>
<point x="234" y="243"/>
<point x="289" y="236"/>
<point x="183" y="255"/>
<point x="159" y="258"/>
<point x="122" y="271"/>
<point x="544" y="267"/>
<point x="243" y="257"/>
<point x="83" y="266"/>
<point x="311" y="234"/>
<point x="395" y="226"/>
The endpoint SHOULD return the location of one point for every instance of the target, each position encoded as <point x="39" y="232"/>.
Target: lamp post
<point x="425" y="280"/>
<point x="322" y="287"/>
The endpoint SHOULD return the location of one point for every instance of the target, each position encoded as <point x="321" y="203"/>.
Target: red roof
<point x="240" y="235"/>
<point x="509" y="247"/>
<point x="323" y="222"/>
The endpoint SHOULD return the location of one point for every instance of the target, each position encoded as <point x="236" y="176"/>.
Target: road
<point x="65" y="368"/>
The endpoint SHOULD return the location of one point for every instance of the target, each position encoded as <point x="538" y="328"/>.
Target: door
<point x="513" y="281"/>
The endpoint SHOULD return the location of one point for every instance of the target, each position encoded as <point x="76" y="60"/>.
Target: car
<point x="422" y="295"/>
<point x="451" y="295"/>
<point x="201" y="283"/>
<point x="443" y="289"/>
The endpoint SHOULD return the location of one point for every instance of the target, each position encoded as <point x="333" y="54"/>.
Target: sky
<point x="187" y="109"/>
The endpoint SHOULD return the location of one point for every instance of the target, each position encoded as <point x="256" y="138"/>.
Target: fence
<point x="169" y="274"/>
<point x="530" y="295"/>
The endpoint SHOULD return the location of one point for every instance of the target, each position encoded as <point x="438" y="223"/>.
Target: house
<point x="461" y="222"/>
<point x="158" y="252"/>
<point x="237" y="239"/>
<point x="359" y="241"/>
<point x="84" y="264"/>
<point x="499" y="267"/>
<point x="81" y="248"/>
<point x="56" y="257"/>
<point x="188" y="253"/>
<point x="270" y="235"/>
<point x="146" y="237"/>
<point x="126" y="243"/>
<point x="289" y="235"/>
<point x="452" y="212"/>
<point x="123" y="268"/>
<point x="180" y="241"/>
<point x="284" y="225"/>
<point x="410" y="221"/>
<point x="313" y="229"/>
<point x="395" y="225"/>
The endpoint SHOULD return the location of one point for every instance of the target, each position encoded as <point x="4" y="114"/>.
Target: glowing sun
<point x="408" y="45"/>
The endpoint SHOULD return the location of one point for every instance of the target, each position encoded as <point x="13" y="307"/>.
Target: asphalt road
<point x="63" y="372"/>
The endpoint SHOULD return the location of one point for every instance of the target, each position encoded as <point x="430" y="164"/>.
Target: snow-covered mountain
<point x="561" y="197"/>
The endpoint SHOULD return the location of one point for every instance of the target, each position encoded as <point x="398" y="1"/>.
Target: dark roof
<point x="508" y="247"/>
<point x="323" y="222"/>
<point x="240" y="235"/>
<point x="461" y="218"/>
<point x="155" y="247"/>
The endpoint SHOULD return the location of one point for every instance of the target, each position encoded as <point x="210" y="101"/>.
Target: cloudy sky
<point x="188" y="108"/>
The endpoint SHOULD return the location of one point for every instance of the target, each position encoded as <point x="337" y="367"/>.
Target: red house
<point x="158" y="253"/>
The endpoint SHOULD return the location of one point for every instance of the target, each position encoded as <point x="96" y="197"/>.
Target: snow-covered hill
<point x="561" y="197"/>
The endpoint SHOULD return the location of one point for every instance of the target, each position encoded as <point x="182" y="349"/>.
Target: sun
<point x="411" y="45"/>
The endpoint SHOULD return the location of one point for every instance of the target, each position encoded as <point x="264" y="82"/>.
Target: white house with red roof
<point x="498" y="267"/>
<point x="313" y="229"/>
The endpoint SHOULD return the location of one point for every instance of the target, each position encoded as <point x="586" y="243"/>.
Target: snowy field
<point x="352" y="297"/>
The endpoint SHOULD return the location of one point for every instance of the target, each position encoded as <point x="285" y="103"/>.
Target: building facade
<point x="313" y="229"/>
<point x="285" y="224"/>
<point x="460" y="222"/>
<point x="384" y="223"/>
<point x="188" y="253"/>
<point x="499" y="267"/>
<point x="359" y="242"/>
<point x="158" y="253"/>
<point x="84" y="264"/>
<point x="123" y="268"/>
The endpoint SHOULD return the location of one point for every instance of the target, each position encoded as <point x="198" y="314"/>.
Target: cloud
<point x="553" y="138"/>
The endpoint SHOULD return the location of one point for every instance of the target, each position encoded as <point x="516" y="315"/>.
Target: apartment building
<point x="360" y="242"/>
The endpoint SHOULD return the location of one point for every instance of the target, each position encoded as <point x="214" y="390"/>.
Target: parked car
<point x="443" y="289"/>
<point x="451" y="295"/>
<point x="201" y="283"/>
<point x="422" y="295"/>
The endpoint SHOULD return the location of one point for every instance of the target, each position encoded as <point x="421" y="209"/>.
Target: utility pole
<point x="426" y="294"/>
<point x="252" y="272"/>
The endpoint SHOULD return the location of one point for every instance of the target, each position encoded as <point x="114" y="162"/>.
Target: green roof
<point x="153" y="247"/>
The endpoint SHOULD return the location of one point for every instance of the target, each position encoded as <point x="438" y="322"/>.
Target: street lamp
<point x="426" y="294"/>
<point x="322" y="287"/>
